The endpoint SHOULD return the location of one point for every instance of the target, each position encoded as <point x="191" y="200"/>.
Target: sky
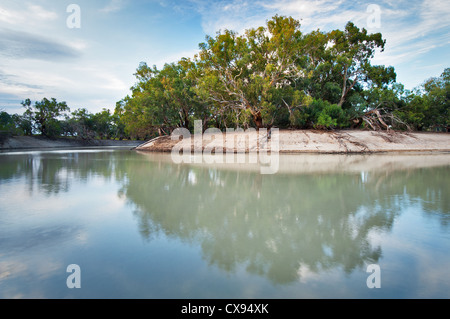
<point x="86" y="52"/>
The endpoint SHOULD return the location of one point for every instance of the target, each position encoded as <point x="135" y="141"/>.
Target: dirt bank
<point x="309" y="141"/>
<point x="38" y="142"/>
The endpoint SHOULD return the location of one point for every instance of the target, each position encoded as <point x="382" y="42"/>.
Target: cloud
<point x="239" y="15"/>
<point x="234" y="15"/>
<point x="24" y="45"/>
<point x="30" y="14"/>
<point x="93" y="64"/>
<point x="412" y="29"/>
<point x="12" y="87"/>
<point x="42" y="14"/>
<point x="113" y="6"/>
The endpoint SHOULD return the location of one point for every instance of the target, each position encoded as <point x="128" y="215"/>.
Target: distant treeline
<point x="53" y="119"/>
<point x="269" y="76"/>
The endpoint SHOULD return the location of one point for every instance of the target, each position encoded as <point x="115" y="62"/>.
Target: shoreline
<point x="289" y="142"/>
<point x="309" y="142"/>
<point x="40" y="142"/>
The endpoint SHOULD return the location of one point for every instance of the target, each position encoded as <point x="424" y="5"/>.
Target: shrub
<point x="324" y="115"/>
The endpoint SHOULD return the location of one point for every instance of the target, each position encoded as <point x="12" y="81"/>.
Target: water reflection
<point x="277" y="224"/>
<point x="53" y="172"/>
<point x="317" y="214"/>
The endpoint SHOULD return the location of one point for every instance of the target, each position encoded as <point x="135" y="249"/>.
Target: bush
<point x="332" y="116"/>
<point x="6" y="122"/>
<point x="325" y="121"/>
<point x="319" y="114"/>
<point x="299" y="118"/>
<point x="15" y="124"/>
<point x="53" y="128"/>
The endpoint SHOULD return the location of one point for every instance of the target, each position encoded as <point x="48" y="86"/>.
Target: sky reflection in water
<point x="140" y="226"/>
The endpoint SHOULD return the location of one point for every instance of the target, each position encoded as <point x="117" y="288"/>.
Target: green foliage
<point x="15" y="124"/>
<point x="253" y="71"/>
<point x="24" y="125"/>
<point x="85" y="125"/>
<point x="49" y="118"/>
<point x="324" y="115"/>
<point x="44" y="115"/>
<point x="161" y="101"/>
<point x="325" y="121"/>
<point x="319" y="114"/>
<point x="332" y="116"/>
<point x="272" y="75"/>
<point x="6" y="122"/>
<point x="269" y="75"/>
<point x="427" y="108"/>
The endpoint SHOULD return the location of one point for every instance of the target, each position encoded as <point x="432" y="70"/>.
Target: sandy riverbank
<point x="310" y="141"/>
<point x="38" y="142"/>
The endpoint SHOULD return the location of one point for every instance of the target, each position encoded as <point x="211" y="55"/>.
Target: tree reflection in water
<point x="276" y="226"/>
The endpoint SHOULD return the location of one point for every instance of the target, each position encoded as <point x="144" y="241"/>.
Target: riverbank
<point x="311" y="141"/>
<point x="40" y="142"/>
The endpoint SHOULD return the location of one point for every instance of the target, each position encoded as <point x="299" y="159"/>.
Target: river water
<point x="138" y="225"/>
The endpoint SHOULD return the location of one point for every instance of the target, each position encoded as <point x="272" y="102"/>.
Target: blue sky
<point x="92" y="66"/>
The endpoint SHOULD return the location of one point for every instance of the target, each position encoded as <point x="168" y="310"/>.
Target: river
<point x="138" y="225"/>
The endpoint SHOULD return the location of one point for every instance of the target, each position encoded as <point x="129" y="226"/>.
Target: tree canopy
<point x="271" y="75"/>
<point x="277" y="75"/>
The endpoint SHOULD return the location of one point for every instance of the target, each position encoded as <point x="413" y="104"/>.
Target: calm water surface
<point x="140" y="226"/>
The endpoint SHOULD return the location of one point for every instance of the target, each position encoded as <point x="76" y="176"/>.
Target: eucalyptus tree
<point x="44" y="115"/>
<point x="277" y="75"/>
<point x="247" y="73"/>
<point x="351" y="52"/>
<point x="428" y="106"/>
<point x="161" y="100"/>
<point x="6" y="122"/>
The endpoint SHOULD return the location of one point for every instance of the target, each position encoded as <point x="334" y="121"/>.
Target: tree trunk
<point x="257" y="119"/>
<point x="344" y="89"/>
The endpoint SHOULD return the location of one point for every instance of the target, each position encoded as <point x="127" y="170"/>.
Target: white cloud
<point x="234" y="15"/>
<point x="303" y="8"/>
<point x="40" y="13"/>
<point x="173" y="58"/>
<point x="240" y="15"/>
<point x="8" y="16"/>
<point x="113" y="6"/>
<point x="412" y="29"/>
<point x="31" y="14"/>
<point x="40" y="55"/>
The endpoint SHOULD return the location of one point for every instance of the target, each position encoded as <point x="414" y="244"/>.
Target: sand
<point x="306" y="141"/>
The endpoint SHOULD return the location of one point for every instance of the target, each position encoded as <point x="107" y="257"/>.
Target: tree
<point x="119" y="122"/>
<point x="380" y="108"/>
<point x="45" y="115"/>
<point x="277" y="75"/>
<point x="82" y="124"/>
<point x="437" y="98"/>
<point x="351" y="51"/>
<point x="103" y="123"/>
<point x="23" y="124"/>
<point x="161" y="100"/>
<point x="247" y="73"/>
<point x="6" y="122"/>
<point x="428" y="106"/>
